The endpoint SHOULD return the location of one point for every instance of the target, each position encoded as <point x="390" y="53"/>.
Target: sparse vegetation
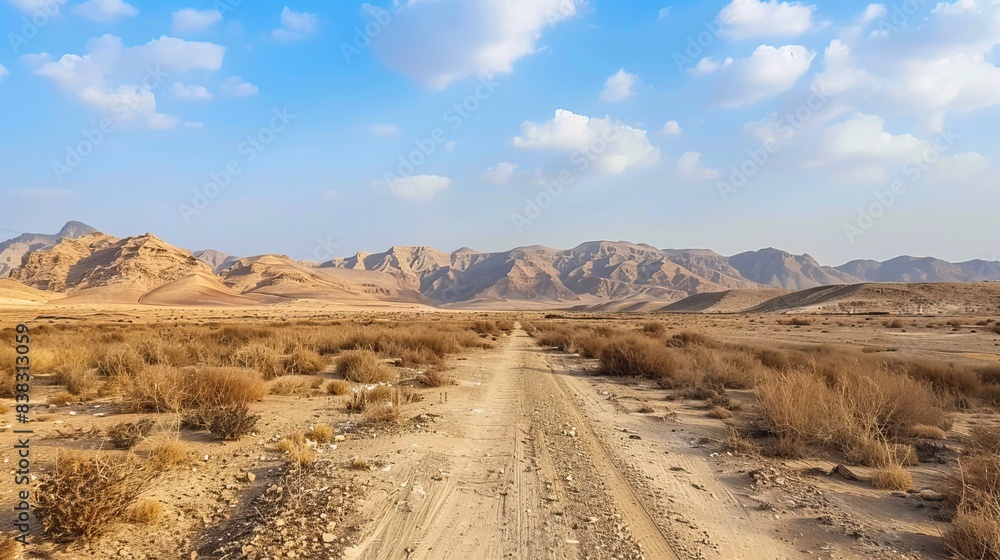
<point x="126" y="435"/>
<point x="146" y="512"/>
<point x="364" y="366"/>
<point x="229" y="422"/>
<point x="85" y="496"/>
<point x="167" y="455"/>
<point x="338" y="387"/>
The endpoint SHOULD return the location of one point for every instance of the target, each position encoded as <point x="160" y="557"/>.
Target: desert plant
<point x="364" y="366"/>
<point x="303" y="361"/>
<point x="720" y="413"/>
<point x="120" y="360"/>
<point x="434" y="378"/>
<point x="85" y="496"/>
<point x="167" y="455"/>
<point x="126" y="435"/>
<point x="338" y="387"/>
<point x="639" y="357"/>
<point x="10" y="549"/>
<point x="259" y="357"/>
<point x="321" y="434"/>
<point x="229" y="422"/>
<point x="300" y="451"/>
<point x="926" y="432"/>
<point x="146" y="512"/>
<point x="892" y="477"/>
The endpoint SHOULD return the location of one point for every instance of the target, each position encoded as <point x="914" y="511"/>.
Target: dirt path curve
<point x="513" y="471"/>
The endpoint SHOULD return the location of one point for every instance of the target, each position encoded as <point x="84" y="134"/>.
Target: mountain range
<point x="81" y="264"/>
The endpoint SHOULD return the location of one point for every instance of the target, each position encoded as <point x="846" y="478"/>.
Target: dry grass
<point x="921" y="431"/>
<point x="87" y="495"/>
<point x="984" y="440"/>
<point x="321" y="434"/>
<point x="289" y="386"/>
<point x="299" y="450"/>
<point x="364" y="366"/>
<point x="974" y="533"/>
<point x="304" y="361"/>
<point x="892" y="477"/>
<point x="168" y="389"/>
<point x="259" y="357"/>
<point x="338" y="387"/>
<point x="359" y="463"/>
<point x="229" y="423"/>
<point x="126" y="435"/>
<point x="10" y="549"/>
<point x="434" y="378"/>
<point x="146" y="512"/>
<point x="168" y="455"/>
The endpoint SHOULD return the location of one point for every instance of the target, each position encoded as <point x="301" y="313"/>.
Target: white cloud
<point x="190" y="93"/>
<point x="190" y="20"/>
<point x="3" y="71"/>
<point x="384" y="130"/>
<point x="418" y="187"/>
<point x="745" y="19"/>
<point x="105" y="11"/>
<point x="610" y="146"/>
<point x="672" y="128"/>
<point x="619" y="86"/>
<point x="664" y="13"/>
<point x="689" y="167"/>
<point x="767" y="72"/>
<point x="120" y="81"/>
<point x="500" y="174"/>
<point x="708" y="65"/>
<point x="840" y="72"/>
<point x="295" y="26"/>
<point x="234" y="86"/>
<point x="440" y="42"/>
<point x="31" y="7"/>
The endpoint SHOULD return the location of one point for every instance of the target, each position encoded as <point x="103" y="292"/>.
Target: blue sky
<point x="839" y="129"/>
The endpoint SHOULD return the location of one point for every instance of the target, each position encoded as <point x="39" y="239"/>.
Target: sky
<point x="839" y="129"/>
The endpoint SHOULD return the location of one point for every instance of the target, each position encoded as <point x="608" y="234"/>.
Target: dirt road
<point x="513" y="471"/>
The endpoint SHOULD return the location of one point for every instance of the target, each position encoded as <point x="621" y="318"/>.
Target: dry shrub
<point x="8" y="382"/>
<point x="434" y="379"/>
<point x="637" y="356"/>
<point x="146" y="512"/>
<point x="10" y="549"/>
<point x="223" y="387"/>
<point x="654" y="328"/>
<point x="338" y="387"/>
<point x="167" y="455"/>
<point x="506" y="325"/>
<point x="87" y="495"/>
<point x="989" y="374"/>
<point x="157" y="389"/>
<point x="720" y="413"/>
<point x="926" y="432"/>
<point x="688" y="338"/>
<point x="892" y="477"/>
<point x="974" y="533"/>
<point x="120" y="360"/>
<point x="303" y="361"/>
<point x="381" y="405"/>
<point x="946" y="377"/>
<point x="359" y="463"/>
<point x="64" y="398"/>
<point x="300" y="450"/>
<point x="258" y="357"/>
<point x="739" y="444"/>
<point x="984" y="440"/>
<point x="83" y="382"/>
<point x="126" y="435"/>
<point x="381" y="413"/>
<point x="321" y="434"/>
<point x="794" y="407"/>
<point x="296" y="386"/>
<point x="990" y="394"/>
<point x="229" y="422"/>
<point x="486" y="327"/>
<point x="364" y="366"/>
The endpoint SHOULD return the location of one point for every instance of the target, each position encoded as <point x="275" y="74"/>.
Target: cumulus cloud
<point x="500" y="174"/>
<point x="672" y="128"/>
<point x="745" y="19"/>
<point x="295" y="26"/>
<point x="32" y="7"/>
<point x="767" y="72"/>
<point x="439" y="42"/>
<point x="418" y="187"/>
<point x="234" y="86"/>
<point x="689" y="167"/>
<point x="611" y="146"/>
<point x="119" y="81"/>
<point x="190" y="93"/>
<point x="619" y="86"/>
<point x="105" y="11"/>
<point x="190" y="20"/>
<point x="945" y="64"/>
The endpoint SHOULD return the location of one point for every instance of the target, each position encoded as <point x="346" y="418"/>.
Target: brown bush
<point x="434" y="378"/>
<point x="892" y="477"/>
<point x="654" y="328"/>
<point x="720" y="413"/>
<point x="304" y="361"/>
<point x="120" y="360"/>
<point x="126" y="435"/>
<point x="321" y="434"/>
<point x="300" y="452"/>
<point x="289" y="386"/>
<point x="223" y="387"/>
<point x="974" y="533"/>
<point x="229" y="422"/>
<point x="146" y="512"/>
<point x="167" y="455"/>
<point x="364" y="366"/>
<point x="637" y="356"/>
<point x="984" y="440"/>
<point x="87" y="495"/>
<point x="157" y="389"/>
<point x="926" y="432"/>
<point x="946" y="377"/>
<point x="259" y="357"/>
<point x="338" y="387"/>
<point x="486" y="327"/>
<point x="81" y="382"/>
<point x="10" y="549"/>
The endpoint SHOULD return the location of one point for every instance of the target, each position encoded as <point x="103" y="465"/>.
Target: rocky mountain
<point x="926" y="269"/>
<point x="13" y="251"/>
<point x="773" y="267"/>
<point x="217" y="260"/>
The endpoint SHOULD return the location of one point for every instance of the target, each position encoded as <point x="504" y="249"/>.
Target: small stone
<point x="251" y="477"/>
<point x="329" y="537"/>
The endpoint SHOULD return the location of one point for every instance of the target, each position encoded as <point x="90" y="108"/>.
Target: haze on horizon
<point x="845" y="130"/>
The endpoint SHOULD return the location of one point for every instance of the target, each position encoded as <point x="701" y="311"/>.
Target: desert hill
<point x="13" y="251"/>
<point x="217" y="260"/>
